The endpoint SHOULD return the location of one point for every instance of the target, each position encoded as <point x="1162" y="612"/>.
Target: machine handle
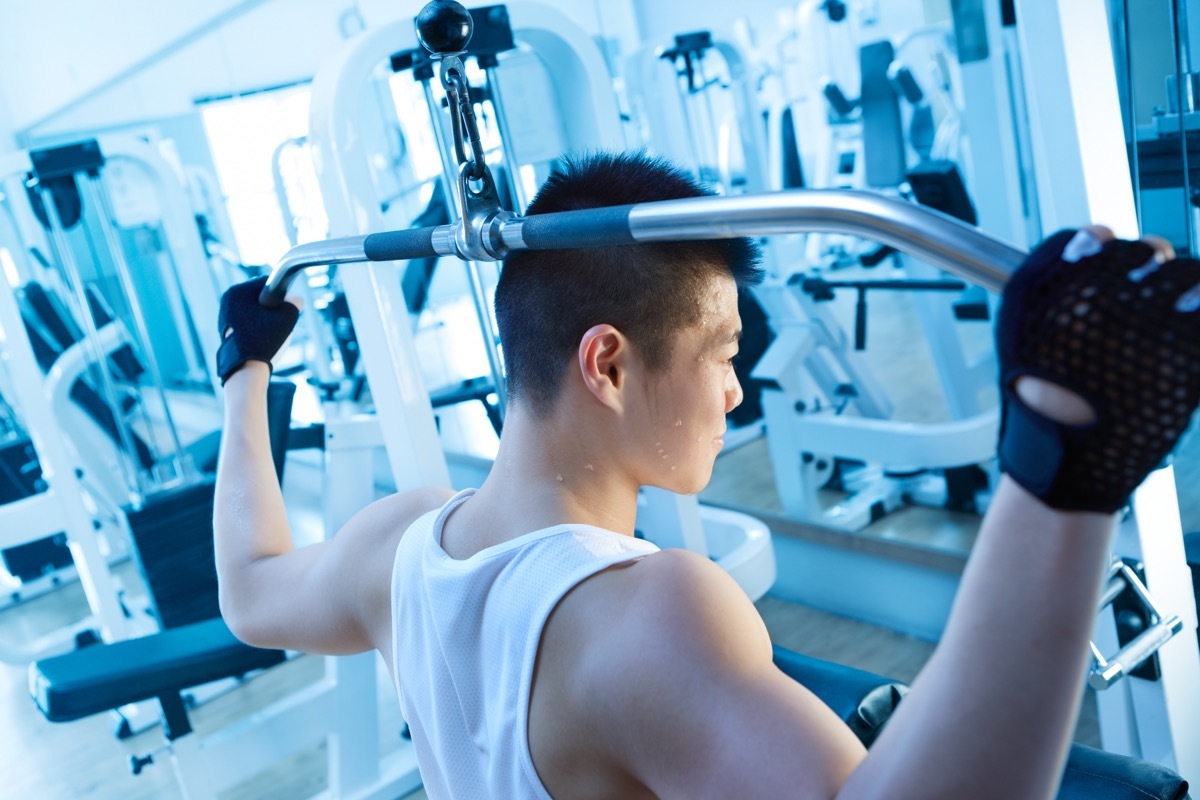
<point x="1134" y="654"/>
<point x="568" y="230"/>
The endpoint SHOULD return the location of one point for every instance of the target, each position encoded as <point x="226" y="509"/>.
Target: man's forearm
<point x="992" y="713"/>
<point x="249" y="520"/>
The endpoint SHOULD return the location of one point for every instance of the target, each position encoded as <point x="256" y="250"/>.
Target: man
<point x="540" y="650"/>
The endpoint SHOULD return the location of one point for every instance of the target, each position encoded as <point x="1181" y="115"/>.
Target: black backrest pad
<point x="863" y="700"/>
<point x="173" y="535"/>
<point x="280" y="395"/>
<point x="883" y="134"/>
<point x="1098" y="775"/>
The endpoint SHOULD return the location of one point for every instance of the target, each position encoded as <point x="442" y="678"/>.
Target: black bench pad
<point x="108" y="676"/>
<point x="1093" y="774"/>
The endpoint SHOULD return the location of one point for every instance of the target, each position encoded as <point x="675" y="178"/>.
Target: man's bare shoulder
<point x="610" y="652"/>
<point x="655" y="611"/>
<point x="668" y="600"/>
<point x="389" y="517"/>
<point x="665" y="650"/>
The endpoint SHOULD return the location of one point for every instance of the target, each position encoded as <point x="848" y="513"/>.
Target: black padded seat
<point x="1093" y="774"/>
<point x="101" y="678"/>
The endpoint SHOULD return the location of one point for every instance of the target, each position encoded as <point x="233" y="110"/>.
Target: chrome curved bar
<point x="345" y="250"/>
<point x="929" y="235"/>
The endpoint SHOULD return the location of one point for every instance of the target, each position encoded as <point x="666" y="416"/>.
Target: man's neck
<point x="549" y="472"/>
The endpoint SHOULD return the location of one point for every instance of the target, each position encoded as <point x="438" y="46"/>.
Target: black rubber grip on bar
<point x="400" y="245"/>
<point x="593" y="227"/>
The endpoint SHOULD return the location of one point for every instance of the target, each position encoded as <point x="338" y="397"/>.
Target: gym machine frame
<point x="85" y="487"/>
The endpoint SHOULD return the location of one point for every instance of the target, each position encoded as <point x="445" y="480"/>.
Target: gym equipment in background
<point x="840" y="457"/>
<point x="91" y="273"/>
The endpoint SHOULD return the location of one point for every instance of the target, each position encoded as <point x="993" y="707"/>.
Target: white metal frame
<point x="63" y="507"/>
<point x="1082" y="176"/>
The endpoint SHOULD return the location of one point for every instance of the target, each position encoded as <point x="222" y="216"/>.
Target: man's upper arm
<point x="695" y="706"/>
<point x="332" y="597"/>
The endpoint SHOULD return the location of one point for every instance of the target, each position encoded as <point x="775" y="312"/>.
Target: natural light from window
<point x="244" y="134"/>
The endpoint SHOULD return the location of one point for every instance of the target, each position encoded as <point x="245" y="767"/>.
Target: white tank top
<point x="466" y="634"/>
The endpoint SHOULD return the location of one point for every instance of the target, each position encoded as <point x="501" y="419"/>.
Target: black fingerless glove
<point x="256" y="332"/>
<point x="1112" y="325"/>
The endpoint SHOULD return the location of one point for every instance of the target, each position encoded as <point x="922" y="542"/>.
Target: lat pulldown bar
<point x="929" y="235"/>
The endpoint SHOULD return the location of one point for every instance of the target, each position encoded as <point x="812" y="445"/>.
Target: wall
<point x="123" y="61"/>
<point x="8" y="140"/>
<point x="660" y="21"/>
<point x="43" y="72"/>
<point x="257" y="44"/>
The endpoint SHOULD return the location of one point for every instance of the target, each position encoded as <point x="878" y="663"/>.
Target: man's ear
<point x="604" y="354"/>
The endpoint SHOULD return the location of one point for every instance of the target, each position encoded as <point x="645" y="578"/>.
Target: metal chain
<point x="462" y="115"/>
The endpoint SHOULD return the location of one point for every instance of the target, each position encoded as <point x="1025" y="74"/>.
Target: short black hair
<point x="546" y="300"/>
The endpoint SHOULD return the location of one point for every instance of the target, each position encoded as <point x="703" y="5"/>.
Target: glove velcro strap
<point x="1033" y="451"/>
<point x="230" y="359"/>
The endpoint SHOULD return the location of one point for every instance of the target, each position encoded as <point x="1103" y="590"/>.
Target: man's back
<point x="626" y="684"/>
<point x="467" y="633"/>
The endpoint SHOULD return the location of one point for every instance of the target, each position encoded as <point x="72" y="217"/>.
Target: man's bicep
<point x="306" y="599"/>
<point x="709" y="714"/>
<point x="749" y="734"/>
<point x="332" y="597"/>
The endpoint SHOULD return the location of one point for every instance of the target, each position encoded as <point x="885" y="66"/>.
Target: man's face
<point x="688" y="402"/>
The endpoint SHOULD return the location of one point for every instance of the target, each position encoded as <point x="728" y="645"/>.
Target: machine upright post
<point x="1082" y="163"/>
<point x="183" y="465"/>
<point x="74" y="279"/>
<point x="511" y="166"/>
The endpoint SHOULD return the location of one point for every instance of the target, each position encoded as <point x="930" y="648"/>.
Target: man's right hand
<point x="1106" y="326"/>
<point x="251" y="331"/>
